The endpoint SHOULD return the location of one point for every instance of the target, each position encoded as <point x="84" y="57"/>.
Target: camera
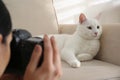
<point x="22" y="46"/>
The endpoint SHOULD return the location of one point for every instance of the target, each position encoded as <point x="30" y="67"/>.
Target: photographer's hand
<point x="51" y="66"/>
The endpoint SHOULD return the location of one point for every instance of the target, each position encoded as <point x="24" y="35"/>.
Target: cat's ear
<point x="82" y="18"/>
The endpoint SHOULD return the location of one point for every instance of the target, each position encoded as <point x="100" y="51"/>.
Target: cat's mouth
<point x="95" y="35"/>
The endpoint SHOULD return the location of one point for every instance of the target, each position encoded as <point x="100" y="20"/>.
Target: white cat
<point x="83" y="44"/>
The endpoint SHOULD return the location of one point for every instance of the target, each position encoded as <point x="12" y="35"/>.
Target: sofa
<point x="39" y="17"/>
<point x="105" y="65"/>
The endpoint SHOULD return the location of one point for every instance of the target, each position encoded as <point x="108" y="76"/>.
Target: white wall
<point x="68" y="10"/>
<point x="107" y="12"/>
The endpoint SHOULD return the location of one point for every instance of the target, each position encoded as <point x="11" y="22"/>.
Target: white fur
<point x="82" y="45"/>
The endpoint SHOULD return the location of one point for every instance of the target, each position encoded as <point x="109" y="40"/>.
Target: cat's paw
<point x="75" y="64"/>
<point x="84" y="57"/>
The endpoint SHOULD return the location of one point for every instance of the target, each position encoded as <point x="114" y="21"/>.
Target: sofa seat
<point x="91" y="70"/>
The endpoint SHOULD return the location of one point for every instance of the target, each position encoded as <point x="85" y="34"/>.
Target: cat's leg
<point x="84" y="57"/>
<point x="69" y="57"/>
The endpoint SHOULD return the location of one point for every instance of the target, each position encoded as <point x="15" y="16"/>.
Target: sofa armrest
<point x="110" y="44"/>
<point x="110" y="41"/>
<point x="67" y="28"/>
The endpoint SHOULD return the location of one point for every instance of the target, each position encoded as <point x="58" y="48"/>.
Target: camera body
<point x="22" y="46"/>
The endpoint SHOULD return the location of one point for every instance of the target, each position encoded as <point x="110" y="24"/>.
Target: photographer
<point x="51" y="66"/>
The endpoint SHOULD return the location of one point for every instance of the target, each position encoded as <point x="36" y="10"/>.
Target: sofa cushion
<point x="91" y="70"/>
<point x="37" y="16"/>
<point x="110" y="44"/>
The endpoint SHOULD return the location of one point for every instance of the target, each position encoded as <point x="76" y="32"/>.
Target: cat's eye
<point x="89" y="27"/>
<point x="98" y="27"/>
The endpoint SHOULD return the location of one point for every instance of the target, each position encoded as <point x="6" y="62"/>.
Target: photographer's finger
<point x="56" y="57"/>
<point x="48" y="53"/>
<point x="55" y="49"/>
<point x="35" y="58"/>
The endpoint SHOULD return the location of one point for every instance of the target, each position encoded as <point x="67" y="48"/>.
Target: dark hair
<point x="5" y="21"/>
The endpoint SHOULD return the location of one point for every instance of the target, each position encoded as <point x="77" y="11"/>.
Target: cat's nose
<point x="96" y="33"/>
